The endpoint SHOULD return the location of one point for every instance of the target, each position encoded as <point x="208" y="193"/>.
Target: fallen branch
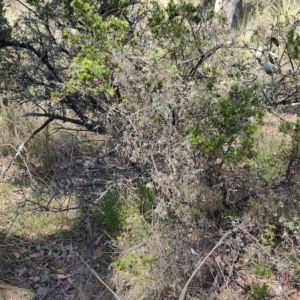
<point x="97" y="276"/>
<point x="21" y="147"/>
<point x="202" y="261"/>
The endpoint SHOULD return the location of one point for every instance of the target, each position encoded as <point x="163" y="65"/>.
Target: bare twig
<point x="27" y="7"/>
<point x="42" y="56"/>
<point x="255" y="239"/>
<point x="154" y="164"/>
<point x="202" y="261"/>
<point x="21" y="147"/>
<point x="205" y="56"/>
<point x="97" y="276"/>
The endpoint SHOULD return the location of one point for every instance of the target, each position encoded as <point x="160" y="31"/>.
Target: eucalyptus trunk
<point x="232" y="9"/>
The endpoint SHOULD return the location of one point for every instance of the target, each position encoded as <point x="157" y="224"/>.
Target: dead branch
<point x="21" y="147"/>
<point x="92" y="127"/>
<point x="202" y="261"/>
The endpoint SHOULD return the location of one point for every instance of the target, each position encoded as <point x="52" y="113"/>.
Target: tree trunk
<point x="232" y="9"/>
<point x="204" y="9"/>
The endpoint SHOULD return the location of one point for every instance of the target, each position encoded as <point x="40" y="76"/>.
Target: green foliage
<point x="296" y="132"/>
<point x="5" y="30"/>
<point x="135" y="263"/>
<point x="259" y="292"/>
<point x="291" y="227"/>
<point x="285" y="127"/>
<point x="109" y="213"/>
<point x="172" y="10"/>
<point x="120" y="216"/>
<point x="172" y="25"/>
<point x="101" y="29"/>
<point x="93" y="67"/>
<point x="293" y="41"/>
<point x="267" y="238"/>
<point x="146" y="201"/>
<point x="230" y="132"/>
<point x="228" y="295"/>
<point x="157" y="17"/>
<point x="297" y="272"/>
<point x="262" y="270"/>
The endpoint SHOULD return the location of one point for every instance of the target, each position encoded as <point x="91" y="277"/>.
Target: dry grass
<point x="10" y="292"/>
<point x="41" y="212"/>
<point x="14" y="9"/>
<point x="273" y="146"/>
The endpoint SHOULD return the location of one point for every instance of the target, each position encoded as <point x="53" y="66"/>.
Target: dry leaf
<point x="286" y="278"/>
<point x="98" y="239"/>
<point x="5" y="101"/>
<point x="218" y="259"/>
<point x="274" y="41"/>
<point x="35" y="279"/>
<point x="295" y="296"/>
<point x="70" y="280"/>
<point x="42" y="291"/>
<point x="249" y="279"/>
<point x="192" y="237"/>
<point x="258" y="53"/>
<point x="62" y="276"/>
<point x="58" y="99"/>
<point x="35" y="255"/>
<point x="267" y="68"/>
<point x="60" y="271"/>
<point x="69" y="247"/>
<point x="16" y="254"/>
<point x="241" y="261"/>
<point x="99" y="251"/>
<point x="22" y="271"/>
<point x="194" y="252"/>
<point x="44" y="278"/>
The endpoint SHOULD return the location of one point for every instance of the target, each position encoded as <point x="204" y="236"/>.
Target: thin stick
<point x="201" y="262"/>
<point x="94" y="272"/>
<point x="21" y="147"/>
<point x="256" y="240"/>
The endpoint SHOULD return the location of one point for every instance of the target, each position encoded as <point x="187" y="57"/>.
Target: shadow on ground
<point x="64" y="264"/>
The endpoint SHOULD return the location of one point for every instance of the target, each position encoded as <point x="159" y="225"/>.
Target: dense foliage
<point x="181" y="97"/>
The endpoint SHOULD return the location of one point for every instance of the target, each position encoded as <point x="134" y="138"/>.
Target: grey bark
<point x="204" y="8"/>
<point x="232" y="9"/>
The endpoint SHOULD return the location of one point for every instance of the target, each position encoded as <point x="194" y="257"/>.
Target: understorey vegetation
<point x="149" y="151"/>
